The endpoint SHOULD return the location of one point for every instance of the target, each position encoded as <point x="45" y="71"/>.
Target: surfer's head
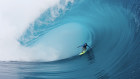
<point x="85" y="44"/>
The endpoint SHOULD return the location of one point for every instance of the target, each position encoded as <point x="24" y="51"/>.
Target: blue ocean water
<point x="110" y="27"/>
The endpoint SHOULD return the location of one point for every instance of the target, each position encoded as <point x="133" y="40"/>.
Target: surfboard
<point x="83" y="52"/>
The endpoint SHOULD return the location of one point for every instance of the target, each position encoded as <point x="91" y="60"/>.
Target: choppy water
<point x="110" y="27"/>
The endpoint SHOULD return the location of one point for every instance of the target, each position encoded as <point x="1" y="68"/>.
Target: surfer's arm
<point x="88" y="46"/>
<point x="80" y="46"/>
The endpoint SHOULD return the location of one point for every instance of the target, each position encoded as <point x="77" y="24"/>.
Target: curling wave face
<point x="103" y="25"/>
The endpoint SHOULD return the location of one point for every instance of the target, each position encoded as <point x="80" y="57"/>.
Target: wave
<point x="110" y="27"/>
<point x="50" y="38"/>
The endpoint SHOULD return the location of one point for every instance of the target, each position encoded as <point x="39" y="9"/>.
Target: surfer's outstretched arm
<point x="80" y="46"/>
<point x="88" y="46"/>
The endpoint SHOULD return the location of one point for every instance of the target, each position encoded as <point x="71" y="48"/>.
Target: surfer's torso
<point x="84" y="46"/>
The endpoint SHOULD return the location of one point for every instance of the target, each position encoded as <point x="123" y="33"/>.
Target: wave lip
<point x="48" y="20"/>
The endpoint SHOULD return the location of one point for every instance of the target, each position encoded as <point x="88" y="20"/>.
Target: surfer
<point x="84" y="47"/>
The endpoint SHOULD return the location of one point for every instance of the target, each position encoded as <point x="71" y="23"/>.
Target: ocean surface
<point x="47" y="47"/>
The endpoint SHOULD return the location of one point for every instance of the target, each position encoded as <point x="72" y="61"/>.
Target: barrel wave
<point x="110" y="27"/>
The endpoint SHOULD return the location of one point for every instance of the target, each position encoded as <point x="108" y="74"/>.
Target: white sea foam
<point x="15" y="17"/>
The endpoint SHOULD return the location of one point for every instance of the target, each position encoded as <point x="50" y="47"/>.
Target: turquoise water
<point x="110" y="27"/>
